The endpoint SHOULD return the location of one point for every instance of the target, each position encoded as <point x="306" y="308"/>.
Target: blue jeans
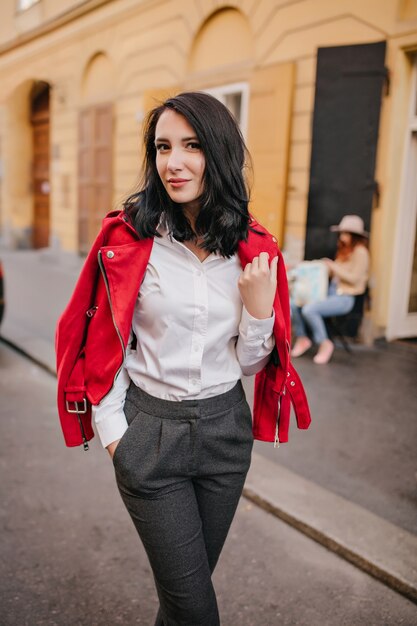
<point x="311" y="315"/>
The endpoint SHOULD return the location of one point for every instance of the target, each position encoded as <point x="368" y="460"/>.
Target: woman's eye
<point x="162" y="147"/>
<point x="193" y="145"/>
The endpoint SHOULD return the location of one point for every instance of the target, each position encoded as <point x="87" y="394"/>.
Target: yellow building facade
<point x="79" y="76"/>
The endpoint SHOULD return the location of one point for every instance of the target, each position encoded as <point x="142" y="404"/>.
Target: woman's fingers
<point x="263" y="259"/>
<point x="247" y="271"/>
<point x="273" y="268"/>
<point x="257" y="285"/>
<point x="260" y="265"/>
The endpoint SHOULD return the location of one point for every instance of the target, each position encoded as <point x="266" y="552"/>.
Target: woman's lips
<point x="177" y="182"/>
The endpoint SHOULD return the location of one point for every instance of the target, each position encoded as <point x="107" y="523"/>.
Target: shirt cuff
<point x="254" y="329"/>
<point x="110" y="428"/>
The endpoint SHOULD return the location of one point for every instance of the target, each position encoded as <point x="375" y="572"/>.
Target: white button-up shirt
<point x="194" y="337"/>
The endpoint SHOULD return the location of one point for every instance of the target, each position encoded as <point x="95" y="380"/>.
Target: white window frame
<point x="222" y="91"/>
<point x="24" y="5"/>
<point x="402" y="323"/>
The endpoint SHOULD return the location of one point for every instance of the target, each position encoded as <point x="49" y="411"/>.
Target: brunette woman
<point x="185" y="301"/>
<point x="349" y="276"/>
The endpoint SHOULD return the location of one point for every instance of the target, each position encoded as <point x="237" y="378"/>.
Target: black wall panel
<point x="349" y="86"/>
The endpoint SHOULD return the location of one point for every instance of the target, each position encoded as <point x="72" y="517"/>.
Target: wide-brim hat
<point x="351" y="224"/>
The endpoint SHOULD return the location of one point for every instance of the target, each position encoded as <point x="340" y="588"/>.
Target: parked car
<point x="1" y="292"/>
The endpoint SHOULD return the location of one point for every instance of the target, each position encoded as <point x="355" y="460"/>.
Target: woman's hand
<point x="112" y="447"/>
<point x="257" y="286"/>
<point x="329" y="263"/>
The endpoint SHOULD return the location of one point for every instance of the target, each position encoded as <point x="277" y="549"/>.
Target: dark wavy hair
<point x="223" y="219"/>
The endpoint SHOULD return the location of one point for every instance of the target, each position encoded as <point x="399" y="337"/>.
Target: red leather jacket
<point x="93" y="332"/>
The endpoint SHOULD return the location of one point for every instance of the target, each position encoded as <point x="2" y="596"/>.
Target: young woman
<point x="349" y="276"/>
<point x="184" y="293"/>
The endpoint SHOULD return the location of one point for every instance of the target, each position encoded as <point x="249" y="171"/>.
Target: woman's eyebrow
<point x="193" y="138"/>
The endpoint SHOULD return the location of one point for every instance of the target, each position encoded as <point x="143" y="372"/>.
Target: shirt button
<point x="196" y="348"/>
<point x="198" y="273"/>
<point x="110" y="254"/>
<point x="194" y="382"/>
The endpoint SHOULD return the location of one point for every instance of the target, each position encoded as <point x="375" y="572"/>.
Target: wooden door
<point x="95" y="152"/>
<point x="40" y="172"/>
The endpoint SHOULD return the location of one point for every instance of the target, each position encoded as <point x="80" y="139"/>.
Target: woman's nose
<point x="175" y="161"/>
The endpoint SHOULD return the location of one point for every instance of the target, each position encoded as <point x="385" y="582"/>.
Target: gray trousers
<point x="180" y="469"/>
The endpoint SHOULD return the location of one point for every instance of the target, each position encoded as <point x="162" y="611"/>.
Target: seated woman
<point x="349" y="276"/>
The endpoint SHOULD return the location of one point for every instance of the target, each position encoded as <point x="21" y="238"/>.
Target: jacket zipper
<point x="90" y="313"/>
<point x="276" y="439"/>
<point x="106" y="282"/>
<point x="85" y="442"/>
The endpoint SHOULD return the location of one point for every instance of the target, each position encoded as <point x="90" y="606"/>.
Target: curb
<point x="343" y="527"/>
<point x="28" y="356"/>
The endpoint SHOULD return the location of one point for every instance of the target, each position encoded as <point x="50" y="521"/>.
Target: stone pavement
<point x="38" y="286"/>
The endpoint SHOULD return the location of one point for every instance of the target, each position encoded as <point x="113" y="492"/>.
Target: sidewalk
<point x="38" y="285"/>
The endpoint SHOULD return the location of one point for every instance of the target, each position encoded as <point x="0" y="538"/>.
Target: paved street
<point x="70" y="556"/>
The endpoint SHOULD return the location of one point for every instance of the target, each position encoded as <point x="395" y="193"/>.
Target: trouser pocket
<point x="153" y="454"/>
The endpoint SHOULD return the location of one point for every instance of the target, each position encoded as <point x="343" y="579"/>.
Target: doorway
<point x="95" y="150"/>
<point x="40" y="170"/>
<point x="402" y="321"/>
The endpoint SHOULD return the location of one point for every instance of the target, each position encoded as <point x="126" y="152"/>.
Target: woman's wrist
<point x="259" y="313"/>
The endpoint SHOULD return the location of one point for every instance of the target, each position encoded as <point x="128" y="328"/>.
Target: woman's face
<point x="179" y="159"/>
<point x="345" y="238"/>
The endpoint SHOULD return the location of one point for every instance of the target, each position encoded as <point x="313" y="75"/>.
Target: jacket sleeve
<point x="73" y="406"/>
